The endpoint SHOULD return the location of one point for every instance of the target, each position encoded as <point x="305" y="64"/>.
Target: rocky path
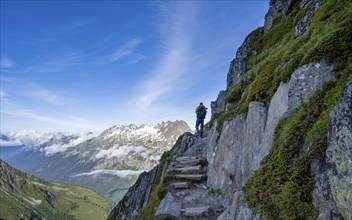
<point x="187" y="196"/>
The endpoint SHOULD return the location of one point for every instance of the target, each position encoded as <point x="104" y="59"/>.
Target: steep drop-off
<point x="279" y="145"/>
<point x="23" y="196"/>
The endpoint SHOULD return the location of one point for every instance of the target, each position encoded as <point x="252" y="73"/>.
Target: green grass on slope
<point x="23" y="194"/>
<point x="282" y="187"/>
<point x="157" y="192"/>
<point x="278" y="53"/>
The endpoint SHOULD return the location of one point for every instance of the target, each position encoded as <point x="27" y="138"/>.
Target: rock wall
<point x="247" y="139"/>
<point x="339" y="153"/>
<point x="136" y="197"/>
<point x="302" y="24"/>
<point x="218" y="106"/>
<point x="276" y="8"/>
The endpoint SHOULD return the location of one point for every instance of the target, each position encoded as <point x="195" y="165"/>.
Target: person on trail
<point x="201" y="112"/>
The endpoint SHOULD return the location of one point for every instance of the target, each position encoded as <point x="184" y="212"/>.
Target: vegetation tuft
<point x="276" y="54"/>
<point x="282" y="187"/>
<point x="158" y="191"/>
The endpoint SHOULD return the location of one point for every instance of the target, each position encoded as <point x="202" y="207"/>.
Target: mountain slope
<point x="279" y="145"/>
<point x="108" y="163"/>
<point x="25" y="196"/>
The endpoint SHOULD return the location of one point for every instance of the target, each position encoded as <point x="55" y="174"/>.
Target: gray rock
<point x="305" y="81"/>
<point x="276" y="8"/>
<point x="238" y="210"/>
<point x="136" y="197"/>
<point x="238" y="66"/>
<point x="339" y="153"/>
<point x="185" y="163"/>
<point x="195" y="177"/>
<point x="346" y="94"/>
<point x="185" y="159"/>
<point x="237" y="70"/>
<point x="197" y="212"/>
<point x="180" y="185"/>
<point x="304" y="3"/>
<point x="168" y="208"/>
<point x="302" y="24"/>
<point x="218" y="106"/>
<point x="190" y="170"/>
<point x="247" y="139"/>
<point x="323" y="201"/>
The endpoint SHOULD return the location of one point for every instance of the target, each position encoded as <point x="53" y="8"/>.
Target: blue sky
<point x="88" y="65"/>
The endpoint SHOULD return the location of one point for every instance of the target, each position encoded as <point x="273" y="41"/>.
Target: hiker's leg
<point x="201" y="127"/>
<point x="197" y="124"/>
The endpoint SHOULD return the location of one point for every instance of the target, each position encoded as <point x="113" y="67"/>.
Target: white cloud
<point x="2" y="94"/>
<point x="38" y="93"/>
<point x="47" y="142"/>
<point x="5" y="63"/>
<point x="34" y="91"/>
<point x="176" y="23"/>
<point x="120" y="173"/>
<point x="10" y="143"/>
<point x="121" y="151"/>
<point x="59" y="148"/>
<point x="126" y="50"/>
<point x="34" y="116"/>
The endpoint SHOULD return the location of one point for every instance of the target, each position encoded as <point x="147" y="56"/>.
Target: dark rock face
<point x="218" y="106"/>
<point x="135" y="198"/>
<point x="323" y="201"/>
<point x="339" y="152"/>
<point x="302" y="24"/>
<point x="238" y="66"/>
<point x="276" y="8"/>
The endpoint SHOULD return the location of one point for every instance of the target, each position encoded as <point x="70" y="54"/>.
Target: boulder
<point x="168" y="208"/>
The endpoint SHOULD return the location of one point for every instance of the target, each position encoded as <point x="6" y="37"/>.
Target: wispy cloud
<point x="76" y="25"/>
<point x="127" y="50"/>
<point x="175" y="25"/>
<point x="29" y="114"/>
<point x="2" y="94"/>
<point x="6" y="63"/>
<point x="36" y="92"/>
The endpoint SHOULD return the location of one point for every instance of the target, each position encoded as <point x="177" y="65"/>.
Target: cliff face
<point x="280" y="139"/>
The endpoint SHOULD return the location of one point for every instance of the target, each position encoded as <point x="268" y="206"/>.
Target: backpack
<point x="202" y="112"/>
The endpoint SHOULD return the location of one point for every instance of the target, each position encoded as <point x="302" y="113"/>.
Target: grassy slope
<point x="282" y="187"/>
<point x="278" y="53"/>
<point x="19" y="193"/>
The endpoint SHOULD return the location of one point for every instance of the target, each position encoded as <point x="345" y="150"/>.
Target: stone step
<point x="196" y="177"/>
<point x="196" y="211"/>
<point x="180" y="185"/>
<point x="179" y="159"/>
<point x="185" y="163"/>
<point x="190" y="170"/>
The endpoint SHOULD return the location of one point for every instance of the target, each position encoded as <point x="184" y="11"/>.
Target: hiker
<point x="201" y="111"/>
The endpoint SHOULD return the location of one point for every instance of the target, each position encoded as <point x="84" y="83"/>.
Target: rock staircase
<point x="187" y="196"/>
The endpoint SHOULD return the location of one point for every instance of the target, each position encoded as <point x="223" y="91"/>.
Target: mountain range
<point x="108" y="163"/>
